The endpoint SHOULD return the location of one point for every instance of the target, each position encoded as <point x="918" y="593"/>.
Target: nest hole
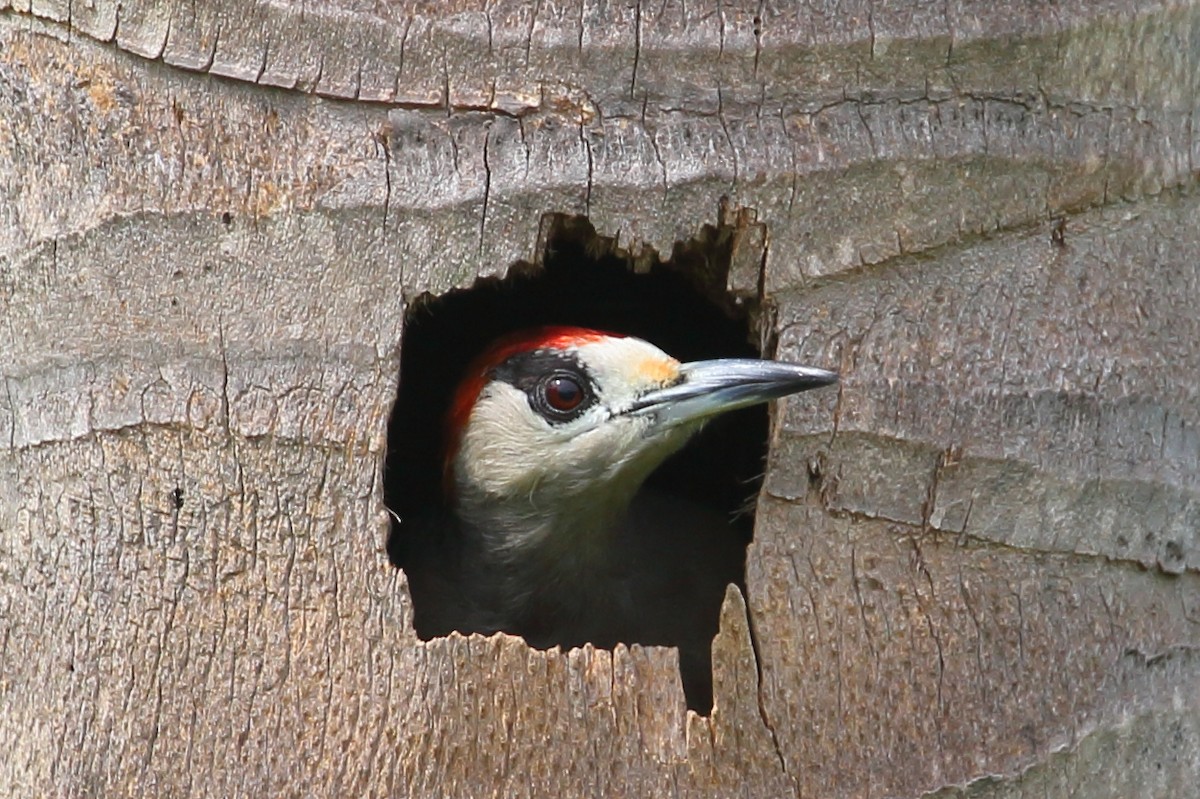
<point x="680" y="304"/>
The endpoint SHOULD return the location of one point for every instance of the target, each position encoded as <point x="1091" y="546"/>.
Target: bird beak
<point x="708" y="388"/>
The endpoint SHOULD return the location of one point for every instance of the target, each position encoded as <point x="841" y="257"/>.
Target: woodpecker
<point x="544" y="529"/>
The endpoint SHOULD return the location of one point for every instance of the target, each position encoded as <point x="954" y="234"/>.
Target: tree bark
<point x="976" y="568"/>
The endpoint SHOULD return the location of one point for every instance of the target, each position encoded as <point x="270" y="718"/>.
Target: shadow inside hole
<point x="679" y="306"/>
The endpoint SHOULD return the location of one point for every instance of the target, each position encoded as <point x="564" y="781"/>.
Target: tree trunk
<point x="976" y="567"/>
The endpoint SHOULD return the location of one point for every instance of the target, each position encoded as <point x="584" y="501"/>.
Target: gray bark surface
<point x="976" y="571"/>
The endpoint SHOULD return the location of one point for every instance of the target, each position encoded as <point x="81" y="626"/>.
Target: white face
<point x="510" y="451"/>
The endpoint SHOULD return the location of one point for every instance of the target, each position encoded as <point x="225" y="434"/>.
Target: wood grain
<point x="976" y="568"/>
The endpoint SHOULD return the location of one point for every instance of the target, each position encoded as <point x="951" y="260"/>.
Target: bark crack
<point x="266" y="55"/>
<point x="487" y="189"/>
<point x="637" y="46"/>
<point x="212" y="54"/>
<point x="383" y="140"/>
<point x="12" y="407"/>
<point x="965" y="592"/>
<point x="763" y="714"/>
<point x="923" y="607"/>
<point x="725" y="129"/>
<point x="400" y="57"/>
<point x="758" y="30"/>
<point x="871" y="28"/>
<point x="652" y="135"/>
<point x="587" y="146"/>
<point x="533" y="15"/>
<point x="862" y="608"/>
<point x="794" y="187"/>
<point x="225" y="404"/>
<point x="167" y="34"/>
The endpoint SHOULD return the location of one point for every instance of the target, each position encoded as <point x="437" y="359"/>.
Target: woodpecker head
<point x="556" y="428"/>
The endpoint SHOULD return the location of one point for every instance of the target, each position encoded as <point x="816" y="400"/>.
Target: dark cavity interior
<point x="681" y="305"/>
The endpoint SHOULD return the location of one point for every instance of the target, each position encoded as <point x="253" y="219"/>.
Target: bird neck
<point x="562" y="534"/>
<point x="546" y="535"/>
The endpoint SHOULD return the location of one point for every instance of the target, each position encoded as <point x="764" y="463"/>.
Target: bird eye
<point x="563" y="393"/>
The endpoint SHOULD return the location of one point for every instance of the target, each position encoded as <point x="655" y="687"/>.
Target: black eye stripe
<point x="533" y="373"/>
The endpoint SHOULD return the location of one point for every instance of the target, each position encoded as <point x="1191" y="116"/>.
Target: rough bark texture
<point x="977" y="565"/>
